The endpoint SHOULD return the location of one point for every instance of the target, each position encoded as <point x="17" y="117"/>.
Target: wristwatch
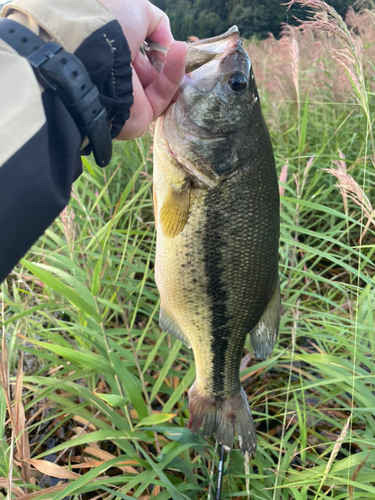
<point x="63" y="73"/>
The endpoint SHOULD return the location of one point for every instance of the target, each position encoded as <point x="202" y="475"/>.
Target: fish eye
<point x="237" y="81"/>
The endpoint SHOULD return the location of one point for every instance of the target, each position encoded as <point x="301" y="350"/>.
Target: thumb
<point x="162" y="90"/>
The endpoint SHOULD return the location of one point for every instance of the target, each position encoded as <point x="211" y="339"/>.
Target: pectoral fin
<point x="175" y="209"/>
<point x="263" y="336"/>
<point x="169" y="325"/>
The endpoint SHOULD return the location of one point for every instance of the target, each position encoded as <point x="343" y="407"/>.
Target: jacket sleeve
<point x="39" y="141"/>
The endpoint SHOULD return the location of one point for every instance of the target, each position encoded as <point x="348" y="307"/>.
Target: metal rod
<point x="220" y="473"/>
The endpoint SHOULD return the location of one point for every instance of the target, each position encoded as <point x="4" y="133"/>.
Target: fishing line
<point x="210" y="495"/>
<point x="294" y="334"/>
<point x="220" y="473"/>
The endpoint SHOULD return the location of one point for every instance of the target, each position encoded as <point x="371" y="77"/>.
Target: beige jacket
<point x="39" y="141"/>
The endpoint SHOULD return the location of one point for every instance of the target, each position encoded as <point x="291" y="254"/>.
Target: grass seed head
<point x="349" y="188"/>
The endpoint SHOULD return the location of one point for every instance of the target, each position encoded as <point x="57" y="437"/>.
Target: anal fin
<point x="169" y="325"/>
<point x="263" y="336"/>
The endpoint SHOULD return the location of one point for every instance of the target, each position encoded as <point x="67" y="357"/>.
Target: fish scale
<point x="216" y="205"/>
<point x="233" y="250"/>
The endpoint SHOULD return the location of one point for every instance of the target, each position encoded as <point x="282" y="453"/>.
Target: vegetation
<point x="95" y="395"/>
<point x="253" y="17"/>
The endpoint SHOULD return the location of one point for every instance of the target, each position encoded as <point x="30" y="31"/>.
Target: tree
<point x="253" y="17"/>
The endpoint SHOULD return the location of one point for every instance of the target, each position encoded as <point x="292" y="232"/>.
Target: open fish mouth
<point x="199" y="52"/>
<point x="203" y="51"/>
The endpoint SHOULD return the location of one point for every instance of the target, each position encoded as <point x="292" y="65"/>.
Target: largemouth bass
<point x="216" y="205"/>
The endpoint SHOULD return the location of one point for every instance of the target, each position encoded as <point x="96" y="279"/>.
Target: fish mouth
<point x="199" y="52"/>
<point x="206" y="41"/>
<point x="203" y="51"/>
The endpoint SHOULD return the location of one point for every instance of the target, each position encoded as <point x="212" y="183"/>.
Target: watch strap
<point x="63" y="73"/>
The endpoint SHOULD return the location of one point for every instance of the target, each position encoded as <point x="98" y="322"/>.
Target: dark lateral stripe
<point x="216" y="290"/>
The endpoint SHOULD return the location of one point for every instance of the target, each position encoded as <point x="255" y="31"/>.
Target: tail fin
<point x="221" y="417"/>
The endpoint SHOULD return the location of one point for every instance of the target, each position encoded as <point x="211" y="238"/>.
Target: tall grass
<point x="94" y="400"/>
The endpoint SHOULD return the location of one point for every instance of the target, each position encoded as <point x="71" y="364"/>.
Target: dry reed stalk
<point x="5" y="386"/>
<point x="16" y="414"/>
<point x="4" y="483"/>
<point x="105" y="456"/>
<point x="334" y="454"/>
<point x="51" y="470"/>
<point x="354" y="476"/>
<point x="283" y="178"/>
<point x="328" y="51"/>
<point x="67" y="219"/>
<point x="306" y="172"/>
<point x="349" y="188"/>
<point x="21" y="435"/>
<point x="275" y="68"/>
<point x="294" y="50"/>
<point x="349" y="54"/>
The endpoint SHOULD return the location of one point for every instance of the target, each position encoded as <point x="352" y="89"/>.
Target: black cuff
<point x="107" y="58"/>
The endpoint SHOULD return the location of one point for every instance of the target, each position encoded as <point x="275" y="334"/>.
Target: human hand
<point x="152" y="91"/>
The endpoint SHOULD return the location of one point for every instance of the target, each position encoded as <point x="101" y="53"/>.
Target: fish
<point x="216" y="205"/>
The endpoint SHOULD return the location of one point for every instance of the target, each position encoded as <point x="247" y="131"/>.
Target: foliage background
<point x="94" y="399"/>
<point x="253" y="17"/>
